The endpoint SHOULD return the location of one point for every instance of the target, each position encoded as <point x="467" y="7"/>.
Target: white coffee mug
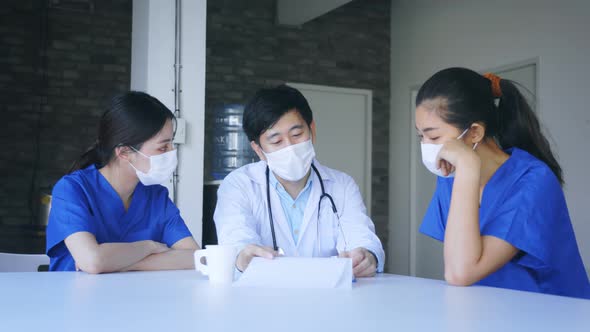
<point x="221" y="260"/>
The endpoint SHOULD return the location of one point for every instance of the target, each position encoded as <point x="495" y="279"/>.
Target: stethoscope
<point x="324" y="195"/>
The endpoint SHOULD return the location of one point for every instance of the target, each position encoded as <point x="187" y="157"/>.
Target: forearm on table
<point x="175" y="259"/>
<point x="113" y="257"/>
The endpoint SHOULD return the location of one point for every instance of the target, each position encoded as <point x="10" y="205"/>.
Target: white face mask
<point x="161" y="168"/>
<point x="293" y="162"/>
<point x="431" y="151"/>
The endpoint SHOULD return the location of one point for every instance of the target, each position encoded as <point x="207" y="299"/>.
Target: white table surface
<point x="184" y="301"/>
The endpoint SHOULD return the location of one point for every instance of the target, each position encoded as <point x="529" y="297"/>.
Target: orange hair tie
<point x="495" y="79"/>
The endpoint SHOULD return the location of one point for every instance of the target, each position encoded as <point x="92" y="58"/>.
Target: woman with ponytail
<point x="498" y="207"/>
<point x="110" y="212"/>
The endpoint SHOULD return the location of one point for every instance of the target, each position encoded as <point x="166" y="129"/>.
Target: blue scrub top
<point x="524" y="205"/>
<point x="84" y="201"/>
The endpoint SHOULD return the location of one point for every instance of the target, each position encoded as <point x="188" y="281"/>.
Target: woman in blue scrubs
<point x="110" y="212"/>
<point x="498" y="207"/>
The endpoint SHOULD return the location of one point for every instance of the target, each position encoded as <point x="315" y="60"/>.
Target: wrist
<point x="469" y="164"/>
<point x="469" y="159"/>
<point x="374" y="257"/>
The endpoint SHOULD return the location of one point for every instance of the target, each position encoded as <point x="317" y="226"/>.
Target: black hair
<point x="467" y="97"/>
<point x="269" y="105"/>
<point x="131" y="119"/>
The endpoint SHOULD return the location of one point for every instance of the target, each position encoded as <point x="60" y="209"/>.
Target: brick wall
<point x="60" y="62"/>
<point x="348" y="47"/>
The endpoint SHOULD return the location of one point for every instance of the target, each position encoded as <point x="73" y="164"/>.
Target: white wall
<point x="152" y="71"/>
<point x="429" y="35"/>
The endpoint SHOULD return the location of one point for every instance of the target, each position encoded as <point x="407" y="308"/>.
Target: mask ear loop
<point x="463" y="134"/>
<point x="141" y="153"/>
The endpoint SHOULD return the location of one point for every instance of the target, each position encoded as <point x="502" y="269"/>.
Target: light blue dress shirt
<point x="294" y="208"/>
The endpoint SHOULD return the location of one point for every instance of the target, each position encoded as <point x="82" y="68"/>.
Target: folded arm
<point x="92" y="257"/>
<point x="180" y="257"/>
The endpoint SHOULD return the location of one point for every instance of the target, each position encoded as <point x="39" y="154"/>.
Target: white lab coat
<point x="241" y="215"/>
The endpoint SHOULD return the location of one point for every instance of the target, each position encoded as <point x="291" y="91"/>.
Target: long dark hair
<point x="131" y="119"/>
<point x="468" y="97"/>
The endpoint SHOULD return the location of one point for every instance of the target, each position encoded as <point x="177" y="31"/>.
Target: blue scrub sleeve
<point x="175" y="229"/>
<point x="434" y="219"/>
<point x="69" y="213"/>
<point x="532" y="219"/>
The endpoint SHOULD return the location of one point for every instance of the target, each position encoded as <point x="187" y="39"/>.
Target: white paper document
<point x="298" y="272"/>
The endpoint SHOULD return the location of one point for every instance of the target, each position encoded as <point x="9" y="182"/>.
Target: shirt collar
<point x="274" y="183"/>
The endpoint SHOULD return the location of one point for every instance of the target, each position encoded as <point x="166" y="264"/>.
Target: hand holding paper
<point x="364" y="263"/>
<point x="251" y="251"/>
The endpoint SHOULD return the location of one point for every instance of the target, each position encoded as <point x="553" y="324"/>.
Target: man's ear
<point x="258" y="150"/>
<point x="312" y="127"/>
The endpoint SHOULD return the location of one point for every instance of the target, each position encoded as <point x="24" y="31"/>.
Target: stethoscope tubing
<point x="324" y="195"/>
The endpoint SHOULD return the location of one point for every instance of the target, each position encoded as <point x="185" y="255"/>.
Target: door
<point x="426" y="254"/>
<point x="343" y="121"/>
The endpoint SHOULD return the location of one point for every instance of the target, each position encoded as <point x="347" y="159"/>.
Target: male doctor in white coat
<point x="279" y="124"/>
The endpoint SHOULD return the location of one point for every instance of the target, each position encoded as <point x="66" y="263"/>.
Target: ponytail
<point x="90" y="157"/>
<point x="518" y="126"/>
